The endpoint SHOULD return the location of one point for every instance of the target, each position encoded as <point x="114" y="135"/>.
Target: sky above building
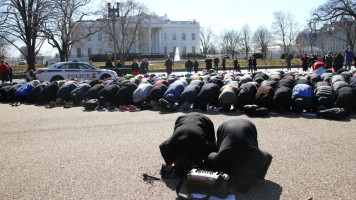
<point x="233" y="14"/>
<point x="224" y="14"/>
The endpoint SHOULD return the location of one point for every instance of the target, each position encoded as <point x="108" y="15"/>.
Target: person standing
<point x="108" y="64"/>
<point x="224" y="64"/>
<point x="254" y="63"/>
<point x="305" y="61"/>
<point x="312" y="60"/>
<point x="4" y="71"/>
<point x="134" y="67"/>
<point x="196" y="66"/>
<point x="339" y="61"/>
<point x="216" y="64"/>
<point x="189" y="65"/>
<point x="144" y="66"/>
<point x="289" y="62"/>
<point x="10" y="72"/>
<point x="208" y="62"/>
<point x="329" y="60"/>
<point x="236" y="62"/>
<point x="249" y="61"/>
<point x="349" y="56"/>
<point x="168" y="65"/>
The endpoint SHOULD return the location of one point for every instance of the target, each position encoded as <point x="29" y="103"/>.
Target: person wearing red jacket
<point x="4" y="71"/>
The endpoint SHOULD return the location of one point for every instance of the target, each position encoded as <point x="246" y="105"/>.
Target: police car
<point x="72" y="70"/>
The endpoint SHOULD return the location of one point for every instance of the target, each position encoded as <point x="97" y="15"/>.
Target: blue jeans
<point x="348" y="63"/>
<point x="250" y="68"/>
<point x="216" y="68"/>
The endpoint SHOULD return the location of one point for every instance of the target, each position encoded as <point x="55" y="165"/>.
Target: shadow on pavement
<point x="270" y="190"/>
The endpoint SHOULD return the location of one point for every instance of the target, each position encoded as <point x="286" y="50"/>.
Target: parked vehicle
<point x="72" y="70"/>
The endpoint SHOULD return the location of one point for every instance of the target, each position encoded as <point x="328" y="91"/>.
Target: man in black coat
<point x="155" y="94"/>
<point x="189" y="65"/>
<point x="338" y="62"/>
<point x="209" y="94"/>
<point x="239" y="155"/>
<point x="168" y="64"/>
<point x="192" y="141"/>
<point x="216" y="64"/>
<point x="208" y="62"/>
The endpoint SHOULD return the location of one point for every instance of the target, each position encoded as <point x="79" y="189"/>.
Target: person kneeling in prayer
<point x="192" y="141"/>
<point x="238" y="154"/>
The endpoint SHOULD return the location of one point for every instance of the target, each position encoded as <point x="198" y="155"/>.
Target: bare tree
<point x="63" y="24"/>
<point x="341" y="17"/>
<point x="230" y="41"/>
<point x="3" y="48"/>
<point x="206" y="39"/>
<point x="246" y="40"/>
<point x="262" y="39"/>
<point x="335" y="10"/>
<point x="22" y="21"/>
<point x="133" y="20"/>
<point x="284" y="26"/>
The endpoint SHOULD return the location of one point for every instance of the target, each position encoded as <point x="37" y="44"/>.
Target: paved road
<point x="73" y="154"/>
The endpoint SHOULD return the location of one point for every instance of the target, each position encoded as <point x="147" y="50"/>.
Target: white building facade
<point x="164" y="37"/>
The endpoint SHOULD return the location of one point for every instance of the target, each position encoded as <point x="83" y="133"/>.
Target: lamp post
<point x="311" y="38"/>
<point x="113" y="12"/>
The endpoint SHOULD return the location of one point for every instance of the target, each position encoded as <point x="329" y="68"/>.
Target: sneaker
<point x="100" y="108"/>
<point x="51" y="104"/>
<point x="133" y="109"/>
<point x="112" y="108"/>
<point x="122" y="108"/>
<point x="68" y="105"/>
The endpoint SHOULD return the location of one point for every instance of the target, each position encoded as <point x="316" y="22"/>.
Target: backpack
<point x="333" y="113"/>
<point x="254" y="110"/>
<point x="91" y="104"/>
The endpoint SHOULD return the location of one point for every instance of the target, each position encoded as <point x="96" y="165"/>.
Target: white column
<point x="160" y="41"/>
<point x="136" y="43"/>
<point x="149" y="40"/>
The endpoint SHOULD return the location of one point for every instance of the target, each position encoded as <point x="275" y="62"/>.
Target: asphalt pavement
<point x="74" y="154"/>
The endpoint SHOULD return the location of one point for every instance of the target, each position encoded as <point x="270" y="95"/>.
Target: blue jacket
<point x="24" y="90"/>
<point x="349" y="55"/>
<point x="302" y="90"/>
<point x="174" y="91"/>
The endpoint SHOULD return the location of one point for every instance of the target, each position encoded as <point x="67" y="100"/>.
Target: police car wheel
<point x="104" y="76"/>
<point x="56" y="78"/>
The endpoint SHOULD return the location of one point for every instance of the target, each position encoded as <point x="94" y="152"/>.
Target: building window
<point x="184" y="50"/>
<point x="193" y="49"/>
<point x="193" y="36"/>
<point x="165" y="36"/>
<point x="89" y="52"/>
<point x="100" y="37"/>
<point x="183" y="36"/>
<point x="79" y="52"/>
<point x="165" y="50"/>
<point x="174" y="36"/>
<point x="89" y="38"/>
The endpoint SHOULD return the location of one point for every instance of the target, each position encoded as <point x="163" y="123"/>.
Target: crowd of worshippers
<point x="280" y="91"/>
<point x="234" y="151"/>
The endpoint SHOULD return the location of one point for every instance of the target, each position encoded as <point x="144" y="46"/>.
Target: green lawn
<point x="21" y="69"/>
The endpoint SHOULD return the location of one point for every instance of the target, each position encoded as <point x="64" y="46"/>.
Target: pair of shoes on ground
<point x="68" y="105"/>
<point x="129" y="108"/>
<point x="17" y="103"/>
<point x="51" y="104"/>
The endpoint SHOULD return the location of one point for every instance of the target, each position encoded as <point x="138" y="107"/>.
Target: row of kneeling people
<point x="234" y="151"/>
<point x="279" y="91"/>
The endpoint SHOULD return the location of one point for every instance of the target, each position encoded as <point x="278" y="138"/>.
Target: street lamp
<point x="311" y="38"/>
<point x="113" y="12"/>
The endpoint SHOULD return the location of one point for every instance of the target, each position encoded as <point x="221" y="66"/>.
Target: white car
<point x="72" y="70"/>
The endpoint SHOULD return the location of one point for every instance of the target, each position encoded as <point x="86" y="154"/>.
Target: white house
<point x="164" y="36"/>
